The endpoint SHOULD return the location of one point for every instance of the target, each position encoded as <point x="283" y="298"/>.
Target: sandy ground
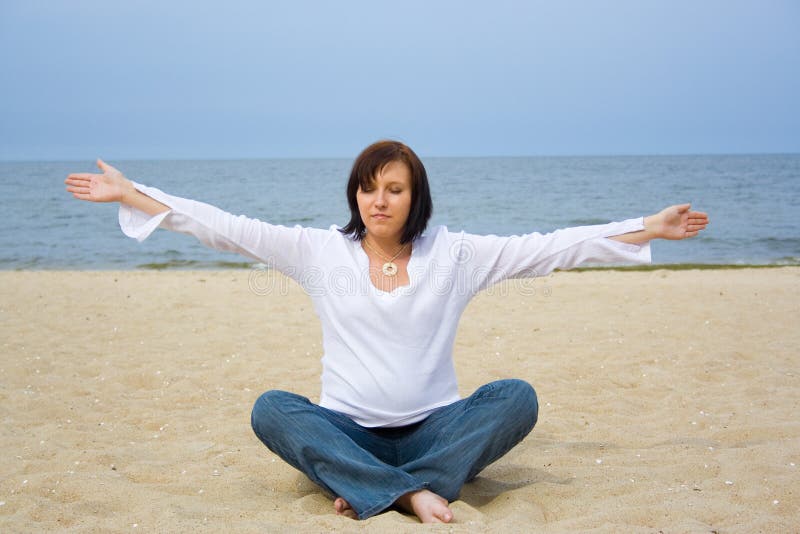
<point x="669" y="402"/>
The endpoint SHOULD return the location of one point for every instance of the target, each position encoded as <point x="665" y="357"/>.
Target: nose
<point x="380" y="199"/>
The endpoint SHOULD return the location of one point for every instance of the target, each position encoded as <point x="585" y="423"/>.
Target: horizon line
<point x="423" y="157"/>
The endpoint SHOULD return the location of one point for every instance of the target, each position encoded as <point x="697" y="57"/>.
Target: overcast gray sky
<point x="247" y="79"/>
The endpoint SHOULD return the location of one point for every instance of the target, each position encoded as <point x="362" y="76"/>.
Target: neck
<point x="387" y="245"/>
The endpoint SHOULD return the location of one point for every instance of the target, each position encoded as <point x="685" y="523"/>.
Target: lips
<point x="380" y="216"/>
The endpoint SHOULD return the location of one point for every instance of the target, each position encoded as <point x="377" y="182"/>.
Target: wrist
<point x="128" y="191"/>
<point x="652" y="227"/>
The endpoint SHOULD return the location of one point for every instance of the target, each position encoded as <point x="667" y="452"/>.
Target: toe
<point x="445" y="515"/>
<point x="343" y="507"/>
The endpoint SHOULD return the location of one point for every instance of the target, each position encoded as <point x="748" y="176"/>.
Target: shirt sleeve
<point x="489" y="259"/>
<point x="288" y="249"/>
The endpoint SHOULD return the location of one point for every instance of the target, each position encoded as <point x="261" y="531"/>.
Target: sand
<point x="669" y="402"/>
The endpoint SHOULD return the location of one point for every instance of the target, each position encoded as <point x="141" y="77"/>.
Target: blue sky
<point x="246" y="79"/>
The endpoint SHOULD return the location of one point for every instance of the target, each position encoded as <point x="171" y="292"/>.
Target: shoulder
<point x="308" y="237"/>
<point x="434" y="242"/>
<point x="334" y="237"/>
<point x="444" y="234"/>
<point x="431" y="236"/>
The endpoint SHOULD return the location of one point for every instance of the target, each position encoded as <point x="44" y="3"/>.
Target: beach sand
<point x="668" y="402"/>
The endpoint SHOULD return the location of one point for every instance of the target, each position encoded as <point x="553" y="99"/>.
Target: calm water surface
<point x="753" y="202"/>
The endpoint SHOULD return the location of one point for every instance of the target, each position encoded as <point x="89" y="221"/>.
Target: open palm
<point x="106" y="187"/>
<point x="677" y="222"/>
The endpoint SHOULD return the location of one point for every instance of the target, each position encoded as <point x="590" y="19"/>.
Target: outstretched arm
<point x="142" y="209"/>
<point x="111" y="186"/>
<point x="674" y="222"/>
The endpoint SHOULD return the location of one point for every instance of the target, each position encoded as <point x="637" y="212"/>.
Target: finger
<point x="80" y="176"/>
<point x="683" y="207"/>
<point x="105" y="167"/>
<point x="78" y="189"/>
<point x="78" y="183"/>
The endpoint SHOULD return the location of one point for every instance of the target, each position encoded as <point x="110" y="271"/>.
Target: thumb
<point x="683" y="207"/>
<point x="105" y="167"/>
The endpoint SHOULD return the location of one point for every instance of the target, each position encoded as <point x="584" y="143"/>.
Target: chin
<point x="383" y="231"/>
<point x="378" y="232"/>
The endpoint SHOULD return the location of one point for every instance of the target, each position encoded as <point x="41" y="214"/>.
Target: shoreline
<point x="194" y="265"/>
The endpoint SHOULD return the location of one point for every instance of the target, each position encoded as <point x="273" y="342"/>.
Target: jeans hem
<point x="378" y="508"/>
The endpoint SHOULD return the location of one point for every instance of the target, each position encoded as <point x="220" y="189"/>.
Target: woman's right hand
<point x="110" y="186"/>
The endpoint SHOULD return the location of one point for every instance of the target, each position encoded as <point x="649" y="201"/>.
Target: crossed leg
<point x="457" y="442"/>
<point x="447" y="449"/>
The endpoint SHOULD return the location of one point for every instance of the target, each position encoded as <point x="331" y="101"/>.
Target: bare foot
<point x="429" y="507"/>
<point x="343" y="507"/>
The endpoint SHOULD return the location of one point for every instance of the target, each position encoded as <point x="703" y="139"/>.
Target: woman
<point x="390" y="428"/>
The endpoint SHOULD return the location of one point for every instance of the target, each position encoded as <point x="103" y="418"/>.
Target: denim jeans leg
<point x="332" y="450"/>
<point x="456" y="442"/>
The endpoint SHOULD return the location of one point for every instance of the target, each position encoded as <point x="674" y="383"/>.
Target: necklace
<point x="390" y="267"/>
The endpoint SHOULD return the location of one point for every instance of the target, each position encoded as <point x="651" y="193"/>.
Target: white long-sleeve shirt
<point x="388" y="357"/>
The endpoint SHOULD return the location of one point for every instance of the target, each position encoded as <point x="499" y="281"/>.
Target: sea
<point x="753" y="203"/>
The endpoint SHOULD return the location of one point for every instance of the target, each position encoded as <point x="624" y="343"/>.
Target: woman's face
<point x="385" y="204"/>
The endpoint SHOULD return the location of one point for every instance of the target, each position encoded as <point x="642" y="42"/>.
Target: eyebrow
<point x="393" y="182"/>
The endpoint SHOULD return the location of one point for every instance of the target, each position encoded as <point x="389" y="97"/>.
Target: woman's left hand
<point x="676" y="222"/>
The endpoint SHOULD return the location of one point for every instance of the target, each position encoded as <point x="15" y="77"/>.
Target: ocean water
<point x="753" y="203"/>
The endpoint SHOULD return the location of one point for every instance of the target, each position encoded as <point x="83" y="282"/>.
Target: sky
<point x="286" y="79"/>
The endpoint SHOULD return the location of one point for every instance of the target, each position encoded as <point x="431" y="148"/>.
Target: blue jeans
<point x="371" y="467"/>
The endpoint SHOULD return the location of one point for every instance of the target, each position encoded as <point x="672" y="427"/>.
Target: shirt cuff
<point x="137" y="224"/>
<point x="631" y="252"/>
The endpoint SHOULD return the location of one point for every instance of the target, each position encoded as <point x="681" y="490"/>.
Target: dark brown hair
<point x="371" y="162"/>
